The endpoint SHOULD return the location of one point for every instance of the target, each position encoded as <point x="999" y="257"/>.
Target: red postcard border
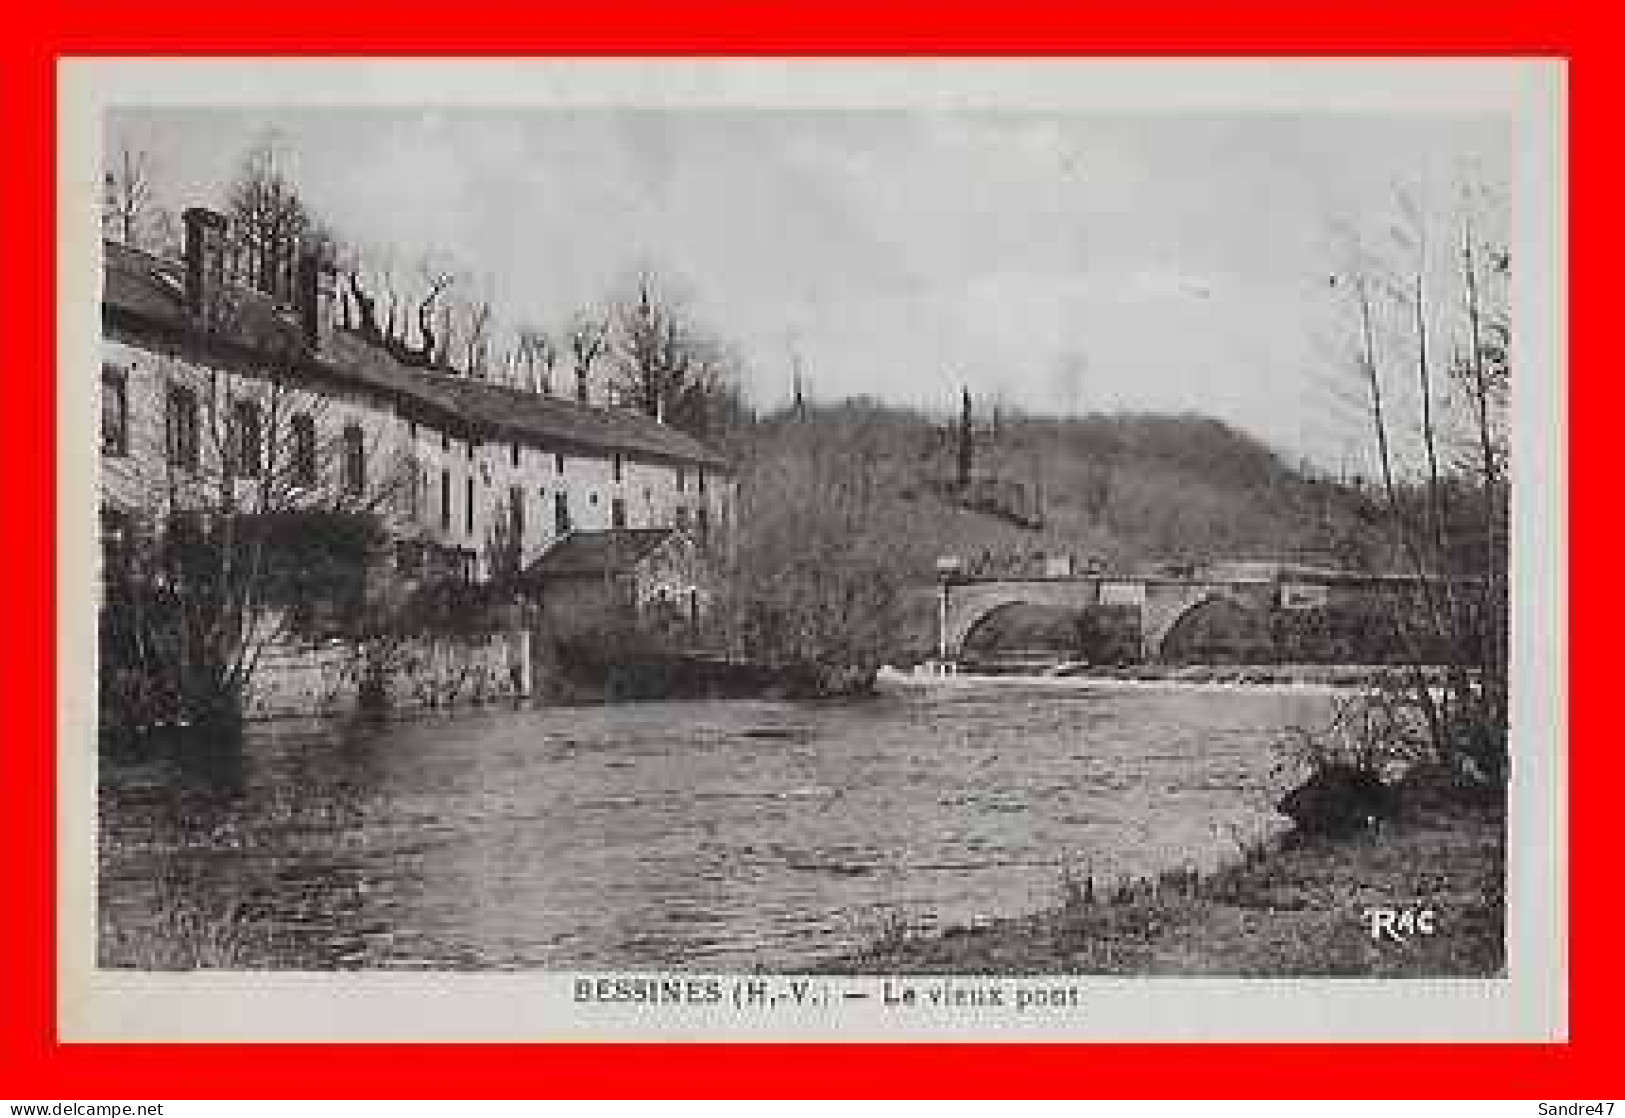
<point x="33" y="1064"/>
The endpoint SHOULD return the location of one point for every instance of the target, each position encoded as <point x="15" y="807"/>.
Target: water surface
<point x="698" y="835"/>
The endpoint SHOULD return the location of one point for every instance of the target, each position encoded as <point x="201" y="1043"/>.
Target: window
<point x="355" y="460"/>
<point x="417" y="484"/>
<point x="445" y="500"/>
<point x="616" y="467"/>
<point x="558" y="463"/>
<point x="445" y="443"/>
<point x="412" y="430"/>
<point x="115" y="412"/>
<point x="561" y="513"/>
<point x="680" y="517"/>
<point x="469" y="447"/>
<point x="181" y="427"/>
<point x="702" y="522"/>
<point x="516" y="511"/>
<point x="617" y="513"/>
<point x="468" y="506"/>
<point x="682" y="479"/>
<point x="700" y="474"/>
<point x="410" y="558"/>
<point x="302" y="431"/>
<point x="115" y="546"/>
<point x="516" y="456"/>
<point x="243" y="438"/>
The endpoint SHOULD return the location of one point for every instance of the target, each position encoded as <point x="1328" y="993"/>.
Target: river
<point x="692" y="835"/>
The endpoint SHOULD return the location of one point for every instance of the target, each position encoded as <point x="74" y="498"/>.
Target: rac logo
<point x="1396" y="925"/>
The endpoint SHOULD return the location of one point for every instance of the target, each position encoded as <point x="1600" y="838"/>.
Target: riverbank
<point x="1297" y="909"/>
<point x="606" y="672"/>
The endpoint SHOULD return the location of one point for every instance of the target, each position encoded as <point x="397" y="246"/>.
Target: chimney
<point x="317" y="297"/>
<point x="205" y="259"/>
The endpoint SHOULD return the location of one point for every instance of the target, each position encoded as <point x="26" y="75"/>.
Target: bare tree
<point x="269" y="221"/>
<point x="1465" y="718"/>
<point x="589" y="341"/>
<point x="666" y="365"/>
<point x="650" y="350"/>
<point x="534" y="357"/>
<point x="473" y="330"/>
<point x="1484" y="372"/>
<point x="373" y="294"/>
<point x="131" y="211"/>
<point x="1413" y="235"/>
<point x="431" y="349"/>
<point x="817" y="573"/>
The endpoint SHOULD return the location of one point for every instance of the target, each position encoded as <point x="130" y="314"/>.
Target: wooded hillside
<point x="845" y="509"/>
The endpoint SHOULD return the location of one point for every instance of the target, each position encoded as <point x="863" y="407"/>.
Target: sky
<point x="1061" y="263"/>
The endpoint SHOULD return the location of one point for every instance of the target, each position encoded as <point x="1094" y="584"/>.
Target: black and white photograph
<point x="723" y="552"/>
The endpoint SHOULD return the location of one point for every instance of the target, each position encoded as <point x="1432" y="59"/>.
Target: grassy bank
<point x="1293" y="910"/>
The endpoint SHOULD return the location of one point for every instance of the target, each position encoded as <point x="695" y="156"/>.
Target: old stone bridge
<point x="1161" y="604"/>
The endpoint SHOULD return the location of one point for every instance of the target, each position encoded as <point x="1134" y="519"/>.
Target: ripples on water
<point x="704" y="835"/>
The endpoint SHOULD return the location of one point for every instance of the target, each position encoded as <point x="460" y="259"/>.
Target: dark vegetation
<point x="845" y="509"/>
<point x="190" y="610"/>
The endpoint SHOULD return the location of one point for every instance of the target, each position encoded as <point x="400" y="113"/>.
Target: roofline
<point x="533" y="572"/>
<point x="182" y="333"/>
<point x="716" y="459"/>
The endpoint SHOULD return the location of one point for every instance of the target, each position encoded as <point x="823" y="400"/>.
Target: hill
<point x="845" y="509"/>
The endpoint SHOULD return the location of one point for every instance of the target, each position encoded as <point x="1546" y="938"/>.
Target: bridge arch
<point x="1208" y="624"/>
<point x="971" y="603"/>
<point x="1162" y="604"/>
<point x="1025" y="626"/>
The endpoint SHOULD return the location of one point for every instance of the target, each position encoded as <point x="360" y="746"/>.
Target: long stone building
<point x="223" y="395"/>
<point x="206" y="383"/>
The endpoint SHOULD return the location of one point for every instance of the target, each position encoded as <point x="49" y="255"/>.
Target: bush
<point x="1335" y="800"/>
<point x="1372" y="739"/>
<point x="1396" y="744"/>
<point x="1379" y="731"/>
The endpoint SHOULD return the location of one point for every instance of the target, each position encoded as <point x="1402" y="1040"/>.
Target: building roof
<point x="600" y="552"/>
<point x="151" y="290"/>
<point x="141" y="283"/>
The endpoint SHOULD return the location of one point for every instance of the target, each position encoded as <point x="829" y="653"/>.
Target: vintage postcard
<point x="770" y="550"/>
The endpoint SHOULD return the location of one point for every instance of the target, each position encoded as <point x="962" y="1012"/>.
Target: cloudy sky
<point x="1064" y="262"/>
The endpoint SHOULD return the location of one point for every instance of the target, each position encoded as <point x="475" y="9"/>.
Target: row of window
<point x="244" y="454"/>
<point x="562" y="522"/>
<point x="617" y="462"/>
<point x="244" y="449"/>
<point x="617" y="468"/>
<point x="445" y="503"/>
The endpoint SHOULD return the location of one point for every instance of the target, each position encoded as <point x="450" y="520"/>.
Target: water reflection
<point x="725" y="834"/>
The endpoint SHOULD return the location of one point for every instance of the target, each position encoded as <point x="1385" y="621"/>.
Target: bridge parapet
<point x="1162" y="601"/>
